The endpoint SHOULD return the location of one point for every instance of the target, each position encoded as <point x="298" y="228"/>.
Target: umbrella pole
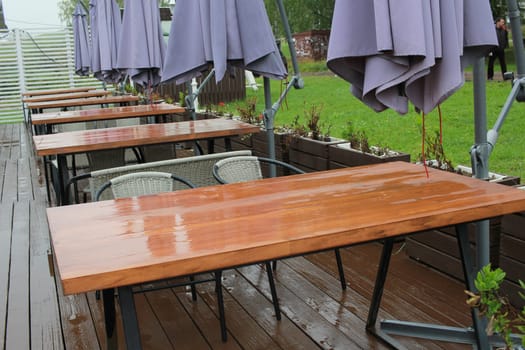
<point x="479" y="156"/>
<point x="291" y="45"/>
<point x="297" y="82"/>
<point x="517" y="37"/>
<point x="269" y="117"/>
<point x="192" y="96"/>
<point x="485" y="141"/>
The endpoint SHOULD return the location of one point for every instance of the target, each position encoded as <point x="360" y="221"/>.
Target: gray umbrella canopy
<point x="141" y="46"/>
<point x="411" y="50"/>
<point x="105" y="31"/>
<point x="81" y="37"/>
<point x="223" y="33"/>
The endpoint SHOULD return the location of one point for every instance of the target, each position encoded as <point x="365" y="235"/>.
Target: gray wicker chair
<point x="248" y="168"/>
<point x="142" y="183"/>
<point x="151" y="182"/>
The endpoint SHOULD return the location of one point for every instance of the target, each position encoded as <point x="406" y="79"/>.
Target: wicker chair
<point x="142" y="183"/>
<point x="248" y="168"/>
<point x="151" y="182"/>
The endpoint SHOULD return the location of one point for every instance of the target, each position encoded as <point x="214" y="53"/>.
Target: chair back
<point x="238" y="169"/>
<point x="197" y="169"/>
<point x="247" y="168"/>
<point x="106" y="159"/>
<point x="143" y="183"/>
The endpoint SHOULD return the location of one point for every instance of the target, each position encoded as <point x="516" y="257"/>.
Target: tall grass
<point x="404" y="132"/>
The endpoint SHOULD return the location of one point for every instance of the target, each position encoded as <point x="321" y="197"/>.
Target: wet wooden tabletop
<point x="133" y="240"/>
<point x="66" y="96"/>
<point x="83" y="102"/>
<point x="105" y="113"/>
<point x="58" y="91"/>
<point x="138" y="135"/>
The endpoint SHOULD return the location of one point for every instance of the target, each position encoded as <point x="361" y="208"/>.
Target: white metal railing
<point x="35" y="60"/>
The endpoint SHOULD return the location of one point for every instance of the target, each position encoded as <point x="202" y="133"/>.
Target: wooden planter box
<point x="258" y="144"/>
<point x="512" y="256"/>
<point x="439" y="250"/>
<point x="311" y="155"/>
<point x="341" y="155"/>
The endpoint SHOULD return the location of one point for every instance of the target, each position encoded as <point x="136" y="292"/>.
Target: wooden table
<point x="53" y="118"/>
<point x="219" y="227"/>
<point x="66" y="96"/>
<point x="83" y="141"/>
<point x="58" y="91"/>
<point x="77" y="102"/>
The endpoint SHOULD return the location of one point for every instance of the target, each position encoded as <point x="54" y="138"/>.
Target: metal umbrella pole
<point x="190" y="99"/>
<point x="296" y="81"/>
<point x="486" y="140"/>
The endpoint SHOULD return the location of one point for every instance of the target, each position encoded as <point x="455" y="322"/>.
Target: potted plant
<point x="502" y="319"/>
<point x="358" y="151"/>
<point x="310" y="140"/>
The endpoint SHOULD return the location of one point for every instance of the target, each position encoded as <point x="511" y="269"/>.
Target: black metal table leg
<point x="47" y="164"/>
<point x="129" y="318"/>
<point x="475" y="336"/>
<point x="373" y="311"/>
<point x="108" y="296"/>
<point x="62" y="197"/>
<point x="211" y="146"/>
<point x="228" y="144"/>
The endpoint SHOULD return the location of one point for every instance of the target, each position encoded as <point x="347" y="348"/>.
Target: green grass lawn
<point x="404" y="132"/>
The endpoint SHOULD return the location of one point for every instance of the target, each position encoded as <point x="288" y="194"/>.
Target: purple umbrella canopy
<point x="396" y="51"/>
<point x="105" y="31"/>
<point x="81" y="37"/>
<point x="223" y="33"/>
<point x="141" y="47"/>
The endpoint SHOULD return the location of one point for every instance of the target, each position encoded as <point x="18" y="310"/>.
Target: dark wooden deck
<point x="34" y="314"/>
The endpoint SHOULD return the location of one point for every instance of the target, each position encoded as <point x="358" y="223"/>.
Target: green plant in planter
<point x="248" y="111"/>
<point x="130" y="89"/>
<point x="168" y="99"/>
<point x="435" y="153"/>
<point x="182" y="98"/>
<point x="502" y="318"/>
<point x="359" y="140"/>
<point x="312" y="128"/>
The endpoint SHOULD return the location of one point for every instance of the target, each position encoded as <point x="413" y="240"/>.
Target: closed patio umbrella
<point x="141" y="46"/>
<point x="105" y="32"/>
<point x="411" y="51"/>
<point x="221" y="33"/>
<point x="81" y="37"/>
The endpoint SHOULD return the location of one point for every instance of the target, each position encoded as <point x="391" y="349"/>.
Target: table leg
<point x="211" y="146"/>
<point x="47" y="162"/>
<point x="108" y="297"/>
<point x="62" y="197"/>
<point x="476" y="336"/>
<point x="228" y="144"/>
<point x="373" y="311"/>
<point x="129" y="318"/>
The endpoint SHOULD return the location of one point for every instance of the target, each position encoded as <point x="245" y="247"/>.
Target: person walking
<point x="499" y="51"/>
